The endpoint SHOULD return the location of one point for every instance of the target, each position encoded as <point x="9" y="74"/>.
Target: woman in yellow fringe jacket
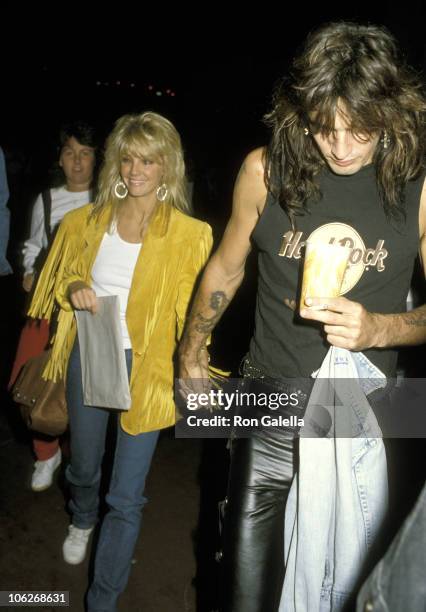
<point x="137" y="242"/>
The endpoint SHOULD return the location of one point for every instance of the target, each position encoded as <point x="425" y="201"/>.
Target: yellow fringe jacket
<point x="174" y="251"/>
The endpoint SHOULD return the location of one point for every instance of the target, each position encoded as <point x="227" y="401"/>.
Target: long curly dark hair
<point x="358" y="67"/>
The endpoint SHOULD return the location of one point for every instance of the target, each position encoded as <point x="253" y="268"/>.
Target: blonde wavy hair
<point x="147" y="135"/>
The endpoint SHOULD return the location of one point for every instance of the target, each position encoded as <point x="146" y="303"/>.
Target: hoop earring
<point x="385" y="140"/>
<point x="120" y="190"/>
<point x="306" y="131"/>
<point x="162" y="192"/>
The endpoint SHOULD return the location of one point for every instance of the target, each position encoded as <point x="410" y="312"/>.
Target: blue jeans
<point x="132" y="460"/>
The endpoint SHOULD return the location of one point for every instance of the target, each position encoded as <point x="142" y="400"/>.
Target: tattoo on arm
<point x="416" y="318"/>
<point x="416" y="322"/>
<point x="218" y="303"/>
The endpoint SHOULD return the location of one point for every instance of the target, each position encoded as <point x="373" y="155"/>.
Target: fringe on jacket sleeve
<point x="200" y="253"/>
<point x="43" y="300"/>
<point x="62" y="255"/>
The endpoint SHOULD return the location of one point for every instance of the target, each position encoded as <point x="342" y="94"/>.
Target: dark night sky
<point x="222" y="69"/>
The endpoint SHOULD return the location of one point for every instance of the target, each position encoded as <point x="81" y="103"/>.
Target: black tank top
<point x="379" y="275"/>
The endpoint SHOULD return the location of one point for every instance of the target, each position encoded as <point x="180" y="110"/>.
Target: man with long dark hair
<point x="346" y="162"/>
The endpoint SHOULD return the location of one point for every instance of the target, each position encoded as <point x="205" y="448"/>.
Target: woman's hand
<point x="82" y="297"/>
<point x="28" y="281"/>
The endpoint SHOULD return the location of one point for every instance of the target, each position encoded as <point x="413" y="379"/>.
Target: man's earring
<point x="306" y="131"/>
<point x="385" y="139"/>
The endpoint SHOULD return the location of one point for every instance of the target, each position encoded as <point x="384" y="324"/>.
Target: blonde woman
<point x="138" y="242"/>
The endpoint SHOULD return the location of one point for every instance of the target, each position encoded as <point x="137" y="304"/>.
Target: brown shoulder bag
<point x="42" y="402"/>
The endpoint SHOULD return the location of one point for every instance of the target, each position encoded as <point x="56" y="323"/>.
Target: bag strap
<point x="47" y="209"/>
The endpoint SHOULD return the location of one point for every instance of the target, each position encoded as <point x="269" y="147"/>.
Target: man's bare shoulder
<point x="250" y="188"/>
<point x="254" y="163"/>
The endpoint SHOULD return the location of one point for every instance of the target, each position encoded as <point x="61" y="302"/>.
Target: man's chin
<point x="345" y="169"/>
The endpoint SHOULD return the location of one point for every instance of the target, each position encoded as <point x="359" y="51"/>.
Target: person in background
<point x="74" y="174"/>
<point x="397" y="582"/>
<point x="72" y="187"/>
<point x="5" y="268"/>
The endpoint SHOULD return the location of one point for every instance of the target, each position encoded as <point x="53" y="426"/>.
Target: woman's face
<point x="78" y="162"/>
<point x="141" y="174"/>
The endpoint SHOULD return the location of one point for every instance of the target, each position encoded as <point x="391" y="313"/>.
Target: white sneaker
<point x="75" y="545"/>
<point x="42" y="477"/>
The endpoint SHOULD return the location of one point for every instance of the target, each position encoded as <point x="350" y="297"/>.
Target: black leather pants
<point x="261" y="472"/>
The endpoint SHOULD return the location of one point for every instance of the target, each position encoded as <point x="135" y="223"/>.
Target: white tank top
<point x="112" y="273"/>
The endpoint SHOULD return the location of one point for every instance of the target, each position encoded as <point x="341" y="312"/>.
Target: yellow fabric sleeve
<point x="58" y="271"/>
<point x="200" y="254"/>
<point x="43" y="300"/>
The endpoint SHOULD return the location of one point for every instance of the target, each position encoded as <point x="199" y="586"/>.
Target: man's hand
<point x="82" y="297"/>
<point x="27" y="282"/>
<point x="194" y="373"/>
<point x="347" y="324"/>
